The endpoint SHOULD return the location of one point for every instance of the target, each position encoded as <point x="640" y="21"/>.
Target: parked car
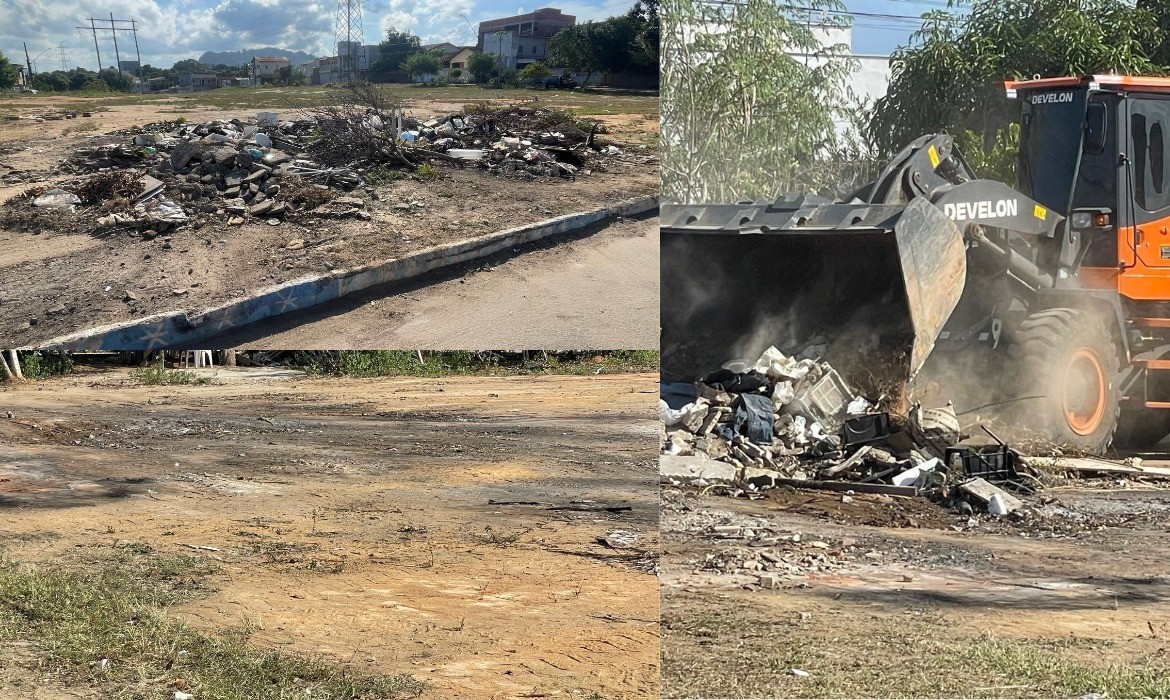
<point x="557" y="82"/>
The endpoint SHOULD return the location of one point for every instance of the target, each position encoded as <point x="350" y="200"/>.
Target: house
<point x="322" y="71"/>
<point x="522" y="39"/>
<point x="265" y="67"/>
<point x="198" y="82"/>
<point x="451" y="56"/>
<point x="459" y="61"/>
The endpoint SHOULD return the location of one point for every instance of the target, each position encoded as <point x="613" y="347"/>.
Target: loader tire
<point x="1068" y="380"/>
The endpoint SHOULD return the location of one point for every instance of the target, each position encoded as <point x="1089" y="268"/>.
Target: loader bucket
<point x="878" y="282"/>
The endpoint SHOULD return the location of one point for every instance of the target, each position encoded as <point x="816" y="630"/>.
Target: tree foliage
<point x="481" y="66"/>
<point x="743" y="118"/>
<point x="535" y="71"/>
<point x="7" y="73"/>
<point x="577" y="49"/>
<point x="950" y="77"/>
<point x="189" y="65"/>
<point x="392" y="52"/>
<point x="422" y="64"/>
<point x="287" y="75"/>
<point x="625" y="43"/>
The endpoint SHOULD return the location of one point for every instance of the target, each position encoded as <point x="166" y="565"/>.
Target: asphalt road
<point x="594" y="289"/>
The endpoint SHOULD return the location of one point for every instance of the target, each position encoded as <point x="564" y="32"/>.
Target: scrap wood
<point x="1096" y="464"/>
<point x="848" y="464"/>
<point x="849" y="486"/>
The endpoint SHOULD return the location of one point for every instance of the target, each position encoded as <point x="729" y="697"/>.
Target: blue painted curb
<point x="183" y="329"/>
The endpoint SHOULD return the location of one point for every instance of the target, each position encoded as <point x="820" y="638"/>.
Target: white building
<point x="870" y="78"/>
<point x="265" y="67"/>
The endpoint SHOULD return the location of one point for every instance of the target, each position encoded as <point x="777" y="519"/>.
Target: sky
<point x="172" y="30"/>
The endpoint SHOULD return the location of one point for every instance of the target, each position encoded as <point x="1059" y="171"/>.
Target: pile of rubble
<point x="270" y="169"/>
<point x="793" y="421"/>
<point x="49" y="115"/>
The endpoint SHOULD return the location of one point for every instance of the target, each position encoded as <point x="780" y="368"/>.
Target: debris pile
<point x="793" y="421"/>
<point x="266" y="169"/>
<point x="169" y="173"/>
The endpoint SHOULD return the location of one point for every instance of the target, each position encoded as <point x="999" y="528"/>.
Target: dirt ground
<point x="897" y="597"/>
<point x="446" y="528"/>
<point x="56" y="280"/>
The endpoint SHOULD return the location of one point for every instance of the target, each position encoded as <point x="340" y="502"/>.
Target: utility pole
<point x="117" y="56"/>
<point x="113" y="29"/>
<point x="93" y="29"/>
<point x="63" y="53"/>
<point x="28" y="62"/>
<point x="133" y="29"/>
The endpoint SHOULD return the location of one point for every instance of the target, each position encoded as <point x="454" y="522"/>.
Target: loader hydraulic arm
<point x="986" y="211"/>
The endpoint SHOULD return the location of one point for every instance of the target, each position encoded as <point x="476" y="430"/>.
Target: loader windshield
<point x="1051" y="129"/>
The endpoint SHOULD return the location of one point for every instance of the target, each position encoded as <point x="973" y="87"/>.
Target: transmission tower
<point x="64" y="55"/>
<point x="348" y="31"/>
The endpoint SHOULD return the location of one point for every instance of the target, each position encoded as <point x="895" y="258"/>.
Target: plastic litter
<point x="57" y="199"/>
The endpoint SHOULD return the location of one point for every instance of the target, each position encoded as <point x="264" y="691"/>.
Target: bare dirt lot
<point x="58" y="279"/>
<point x="467" y="532"/>
<point x="884" y="596"/>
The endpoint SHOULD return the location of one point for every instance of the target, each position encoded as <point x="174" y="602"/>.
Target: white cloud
<point x="172" y="30"/>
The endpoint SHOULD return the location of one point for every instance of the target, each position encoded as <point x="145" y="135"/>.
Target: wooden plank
<point x="853" y="461"/>
<point x="1096" y="464"/>
<point x="853" y="486"/>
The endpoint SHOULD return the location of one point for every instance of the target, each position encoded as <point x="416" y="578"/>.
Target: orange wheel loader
<point x="1049" y="300"/>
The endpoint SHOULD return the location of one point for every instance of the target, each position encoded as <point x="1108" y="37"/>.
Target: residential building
<point x="264" y="67"/>
<point x="321" y="71"/>
<point x="459" y="61"/>
<point x="198" y="82"/>
<point x="522" y="39"/>
<point x="450" y="56"/>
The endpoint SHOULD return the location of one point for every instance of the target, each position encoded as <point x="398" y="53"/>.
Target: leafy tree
<point x="481" y="66"/>
<point x="535" y="71"/>
<point x="392" y="52"/>
<point x="577" y="49"/>
<point x="287" y="75"/>
<point x="740" y="116"/>
<point x="7" y="73"/>
<point x="114" y="80"/>
<point x="994" y="162"/>
<point x="644" y="49"/>
<point x="189" y="65"/>
<point x="423" y="63"/>
<point x="55" y="81"/>
<point x="951" y="75"/>
<point x="456" y="73"/>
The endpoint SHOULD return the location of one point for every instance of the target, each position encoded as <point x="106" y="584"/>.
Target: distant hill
<point x="236" y="58"/>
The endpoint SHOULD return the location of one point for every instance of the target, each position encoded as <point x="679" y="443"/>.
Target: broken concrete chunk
<point x="984" y="491"/>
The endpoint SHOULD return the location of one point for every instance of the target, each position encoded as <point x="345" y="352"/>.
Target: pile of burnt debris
<point x="165" y="174"/>
<point x="793" y="421"/>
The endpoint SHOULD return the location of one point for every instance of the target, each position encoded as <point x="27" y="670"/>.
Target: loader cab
<point x="1097" y="150"/>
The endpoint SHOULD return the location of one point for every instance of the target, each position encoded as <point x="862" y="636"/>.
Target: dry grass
<point x="101" y="622"/>
<point x="713" y="646"/>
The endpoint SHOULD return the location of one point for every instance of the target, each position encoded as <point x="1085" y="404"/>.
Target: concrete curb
<point x="182" y="328"/>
